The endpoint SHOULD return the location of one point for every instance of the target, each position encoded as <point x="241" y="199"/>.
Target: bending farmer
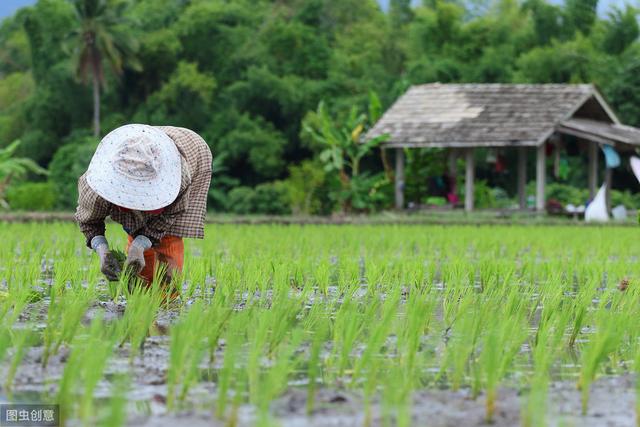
<point x="154" y="182"/>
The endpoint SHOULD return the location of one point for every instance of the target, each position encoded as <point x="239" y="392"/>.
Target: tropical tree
<point x="12" y="167"/>
<point x="101" y="37"/>
<point x="342" y="149"/>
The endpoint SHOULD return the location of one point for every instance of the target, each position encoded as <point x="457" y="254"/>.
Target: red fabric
<point x="169" y="251"/>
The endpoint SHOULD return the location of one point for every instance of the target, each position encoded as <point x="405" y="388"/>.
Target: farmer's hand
<point x="108" y="264"/>
<point x="135" y="258"/>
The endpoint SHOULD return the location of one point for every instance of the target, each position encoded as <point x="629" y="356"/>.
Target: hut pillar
<point x="593" y="168"/>
<point x="540" y="176"/>
<point x="522" y="177"/>
<point x="452" y="169"/>
<point x="399" y="178"/>
<point x="607" y="182"/>
<point x="469" y="178"/>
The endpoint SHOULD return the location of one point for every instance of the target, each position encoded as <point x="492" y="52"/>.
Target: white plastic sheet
<point x="619" y="213"/>
<point x="635" y="166"/>
<point x="597" y="209"/>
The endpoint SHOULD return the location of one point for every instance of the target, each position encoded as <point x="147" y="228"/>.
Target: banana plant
<point x="12" y="167"/>
<point x="342" y="149"/>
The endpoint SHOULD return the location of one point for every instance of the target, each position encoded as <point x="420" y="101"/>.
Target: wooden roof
<point x="485" y="115"/>
<point x="607" y="133"/>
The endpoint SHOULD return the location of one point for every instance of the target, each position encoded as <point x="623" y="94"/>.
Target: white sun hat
<point x="136" y="167"/>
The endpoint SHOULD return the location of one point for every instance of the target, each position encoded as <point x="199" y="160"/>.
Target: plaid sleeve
<point x="91" y="211"/>
<point x="158" y="225"/>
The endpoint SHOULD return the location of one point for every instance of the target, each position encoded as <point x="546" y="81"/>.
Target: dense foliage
<point x="246" y="74"/>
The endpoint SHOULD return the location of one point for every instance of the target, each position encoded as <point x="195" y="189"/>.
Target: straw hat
<point x="137" y="167"/>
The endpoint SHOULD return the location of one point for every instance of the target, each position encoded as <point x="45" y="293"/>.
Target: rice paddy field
<point x="330" y="326"/>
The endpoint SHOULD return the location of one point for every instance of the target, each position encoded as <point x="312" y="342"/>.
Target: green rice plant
<point x="65" y="312"/>
<point x="545" y="345"/>
<point x="609" y="332"/>
<point x="314" y="365"/>
<point x="580" y="309"/>
<point x="229" y="371"/>
<point x="350" y="321"/>
<point x="378" y="335"/>
<point x="82" y="373"/>
<point x="462" y="344"/>
<point x="276" y="376"/>
<point x="117" y="407"/>
<point x="20" y="341"/>
<point x="384" y="310"/>
<point x="501" y="342"/>
<point x="99" y="342"/>
<point x="186" y="350"/>
<point x="142" y="307"/>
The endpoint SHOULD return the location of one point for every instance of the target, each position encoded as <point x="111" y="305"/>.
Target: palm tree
<point x="100" y="36"/>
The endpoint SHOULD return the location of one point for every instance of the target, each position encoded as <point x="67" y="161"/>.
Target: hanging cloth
<point x="611" y="156"/>
<point x="635" y="166"/>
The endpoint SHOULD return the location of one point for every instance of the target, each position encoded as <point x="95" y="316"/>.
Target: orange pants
<point x="170" y="251"/>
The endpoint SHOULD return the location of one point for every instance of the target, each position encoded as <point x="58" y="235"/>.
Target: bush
<point x="271" y="199"/>
<point x="624" y="198"/>
<point x="304" y="186"/>
<point x="32" y="196"/>
<point x="67" y="165"/>
<point x="566" y="194"/>
<point x="241" y="200"/>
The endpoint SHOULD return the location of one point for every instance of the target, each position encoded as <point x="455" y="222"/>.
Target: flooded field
<point x="326" y="325"/>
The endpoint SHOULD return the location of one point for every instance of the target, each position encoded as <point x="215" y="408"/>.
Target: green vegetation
<point x="382" y="312"/>
<point x="281" y="89"/>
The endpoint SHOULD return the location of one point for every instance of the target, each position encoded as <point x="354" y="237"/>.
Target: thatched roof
<point x="488" y="115"/>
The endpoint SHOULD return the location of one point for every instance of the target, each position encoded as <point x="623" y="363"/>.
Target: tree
<point x="100" y="37"/>
<point x="581" y="14"/>
<point x="342" y="151"/>
<point x="12" y="167"/>
<point x="621" y="29"/>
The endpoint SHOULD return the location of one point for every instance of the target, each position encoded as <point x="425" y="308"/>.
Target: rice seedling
<point x="379" y="312"/>
<point x="20" y="340"/>
<point x="186" y="352"/>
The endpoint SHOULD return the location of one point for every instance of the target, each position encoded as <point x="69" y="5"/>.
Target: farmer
<point x="154" y="182"/>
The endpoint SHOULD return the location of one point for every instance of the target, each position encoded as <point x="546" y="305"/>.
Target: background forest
<point x="281" y="90"/>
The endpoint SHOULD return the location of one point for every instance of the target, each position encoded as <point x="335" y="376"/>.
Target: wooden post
<point x="452" y="157"/>
<point x="468" y="179"/>
<point x="540" y="177"/>
<point x="593" y="168"/>
<point x="522" y="177"/>
<point x="399" y="179"/>
<point x="608" y="181"/>
<point x="452" y="169"/>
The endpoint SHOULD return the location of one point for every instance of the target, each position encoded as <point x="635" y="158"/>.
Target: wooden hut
<point x="525" y="117"/>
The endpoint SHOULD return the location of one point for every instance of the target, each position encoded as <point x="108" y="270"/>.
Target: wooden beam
<point x="522" y="177"/>
<point x="468" y="179"/>
<point x="399" y="179"/>
<point x="540" y="177"/>
<point x="593" y="168"/>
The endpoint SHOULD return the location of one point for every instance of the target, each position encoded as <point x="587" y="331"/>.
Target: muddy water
<point x="612" y="399"/>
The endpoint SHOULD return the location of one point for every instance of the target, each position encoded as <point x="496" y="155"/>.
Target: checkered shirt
<point x="183" y="218"/>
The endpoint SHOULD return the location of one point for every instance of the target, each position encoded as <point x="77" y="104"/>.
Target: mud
<point x="612" y="401"/>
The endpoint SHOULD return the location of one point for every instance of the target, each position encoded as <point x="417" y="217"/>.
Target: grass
<point x="377" y="311"/>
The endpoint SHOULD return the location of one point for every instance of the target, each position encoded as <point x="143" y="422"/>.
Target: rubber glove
<point x="108" y="263"/>
<point x="135" y="257"/>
